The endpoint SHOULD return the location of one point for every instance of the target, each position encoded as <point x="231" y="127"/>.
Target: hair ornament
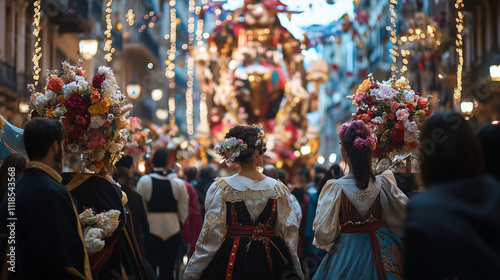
<point x="230" y="149"/>
<point x="261" y="135"/>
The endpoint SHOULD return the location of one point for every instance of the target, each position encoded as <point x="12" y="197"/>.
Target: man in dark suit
<point x="38" y="212"/>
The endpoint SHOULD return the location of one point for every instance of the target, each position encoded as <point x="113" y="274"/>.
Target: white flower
<point x="59" y="112"/>
<point x="73" y="147"/>
<point x="377" y="120"/>
<point x="105" y="70"/>
<point x="97" y="156"/>
<point x="69" y="89"/>
<point x="81" y="82"/>
<point x="97" y="121"/>
<point x="409" y="96"/>
<point x="230" y="142"/>
<point x="39" y="101"/>
<point x="110" y="117"/>
<point x="93" y="245"/>
<point x="50" y="96"/>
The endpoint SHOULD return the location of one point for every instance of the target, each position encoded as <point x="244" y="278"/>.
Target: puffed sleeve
<point x="213" y="233"/>
<point x="326" y="225"/>
<point x="288" y="223"/>
<point x="393" y="202"/>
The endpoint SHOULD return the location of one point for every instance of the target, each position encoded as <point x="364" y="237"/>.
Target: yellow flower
<point x="103" y="107"/>
<point x="61" y="99"/>
<point x="94" y="109"/>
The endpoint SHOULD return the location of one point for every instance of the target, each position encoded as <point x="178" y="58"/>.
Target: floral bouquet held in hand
<point x="93" y="114"/>
<point x="393" y="112"/>
<point x="98" y="227"/>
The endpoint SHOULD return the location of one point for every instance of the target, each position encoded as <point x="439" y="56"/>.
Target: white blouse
<point x="326" y="224"/>
<point x="255" y="195"/>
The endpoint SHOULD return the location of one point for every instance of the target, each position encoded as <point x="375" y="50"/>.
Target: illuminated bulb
<point x="305" y="150"/>
<point x="321" y="160"/>
<point x="332" y="158"/>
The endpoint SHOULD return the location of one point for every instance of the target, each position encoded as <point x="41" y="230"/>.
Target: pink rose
<point x="359" y="97"/>
<point x="385" y="92"/>
<point x="402" y="114"/>
<point x="96" y="139"/>
<point x="394" y="105"/>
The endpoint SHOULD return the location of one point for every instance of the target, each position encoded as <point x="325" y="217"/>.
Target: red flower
<point x="83" y="120"/>
<point x="422" y="103"/>
<point x="80" y="72"/>
<point x="366" y="118"/>
<point x="378" y="152"/>
<point x="413" y="144"/>
<point x="34" y="114"/>
<point x="391" y="147"/>
<point x="360" y="112"/>
<point x="391" y="116"/>
<point x="400" y="126"/>
<point x="97" y="81"/>
<point x="69" y="127"/>
<point x="82" y="107"/>
<point x="371" y="114"/>
<point x="73" y="101"/>
<point x="76" y="133"/>
<point x="55" y="84"/>
<point x="70" y="115"/>
<point x="396" y="136"/>
<point x="428" y="112"/>
<point x="410" y="106"/>
<point x="369" y="100"/>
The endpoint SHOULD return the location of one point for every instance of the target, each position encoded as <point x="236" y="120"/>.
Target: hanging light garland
<point x="190" y="69"/>
<point x="394" y="51"/>
<point x="37" y="54"/>
<point x="107" y="41"/>
<point x="130" y="17"/>
<point x="200" y="25"/>
<point x="199" y="41"/>
<point x="460" y="26"/>
<point x="170" y="62"/>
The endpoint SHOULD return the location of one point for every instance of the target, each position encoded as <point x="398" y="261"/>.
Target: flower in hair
<point x="369" y="142"/>
<point x="343" y="129"/>
<point x="230" y="149"/>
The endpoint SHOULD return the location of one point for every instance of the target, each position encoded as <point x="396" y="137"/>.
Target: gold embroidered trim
<point x="47" y="169"/>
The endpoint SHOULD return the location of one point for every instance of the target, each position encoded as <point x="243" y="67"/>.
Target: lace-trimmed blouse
<point x="255" y="194"/>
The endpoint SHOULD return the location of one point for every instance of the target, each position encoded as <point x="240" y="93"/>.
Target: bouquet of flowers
<point x="393" y="112"/>
<point x="138" y="139"/>
<point x="93" y="113"/>
<point x="98" y="227"/>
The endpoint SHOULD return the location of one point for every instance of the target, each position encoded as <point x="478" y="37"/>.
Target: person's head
<point x="282" y="176"/>
<point x="208" y="172"/>
<point x="336" y="171"/>
<point x="122" y="176"/>
<point x="319" y="169"/>
<point x="13" y="164"/>
<point x="191" y="173"/>
<point x="357" y="144"/>
<point x="44" y="137"/>
<point x="270" y="171"/>
<point x="243" y="144"/>
<point x="160" y="158"/>
<point x="489" y="137"/>
<point x="449" y="149"/>
<point x="126" y="161"/>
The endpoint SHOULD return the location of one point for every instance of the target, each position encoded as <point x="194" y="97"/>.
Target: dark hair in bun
<point x="249" y="135"/>
<point x="361" y="159"/>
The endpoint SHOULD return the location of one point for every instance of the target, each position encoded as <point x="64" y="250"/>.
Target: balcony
<point x="71" y="15"/>
<point x="8" y="78"/>
<point x="141" y="42"/>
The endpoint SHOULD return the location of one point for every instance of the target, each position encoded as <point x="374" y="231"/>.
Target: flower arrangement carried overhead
<point x="393" y="112"/>
<point x="138" y="139"/>
<point x="92" y="113"/>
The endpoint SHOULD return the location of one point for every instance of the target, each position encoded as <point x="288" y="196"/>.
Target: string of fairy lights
<point x="108" y="49"/>
<point x="199" y="41"/>
<point x="37" y="53"/>
<point x="190" y="69"/>
<point x="460" y="26"/>
<point x="392" y="27"/>
<point x="170" y="62"/>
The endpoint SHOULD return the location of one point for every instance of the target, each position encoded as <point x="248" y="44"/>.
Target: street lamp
<point x="495" y="73"/>
<point x="134" y="88"/>
<point x="88" y="48"/>
<point x="157" y="94"/>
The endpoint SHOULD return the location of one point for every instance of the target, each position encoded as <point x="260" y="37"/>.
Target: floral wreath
<point x="359" y="143"/>
<point x="231" y="147"/>
<point x="92" y="113"/>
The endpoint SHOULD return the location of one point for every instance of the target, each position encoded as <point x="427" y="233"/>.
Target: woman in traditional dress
<point x="358" y="214"/>
<point x="251" y="223"/>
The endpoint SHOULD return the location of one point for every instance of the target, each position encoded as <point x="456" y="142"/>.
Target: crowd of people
<point x="260" y="222"/>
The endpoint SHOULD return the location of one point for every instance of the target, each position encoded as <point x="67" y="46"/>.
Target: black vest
<point x="162" y="197"/>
